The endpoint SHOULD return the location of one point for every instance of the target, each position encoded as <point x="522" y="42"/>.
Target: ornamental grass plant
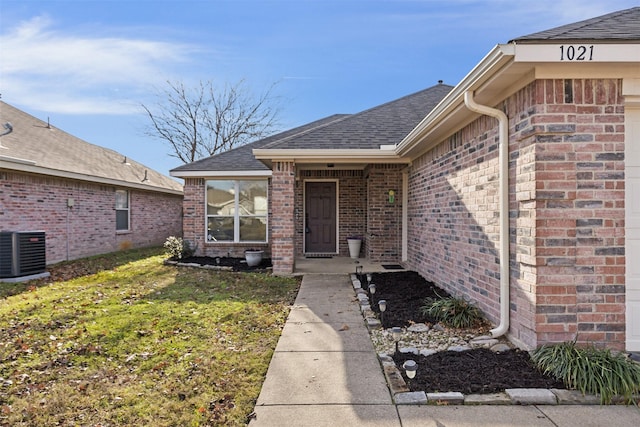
<point x="590" y="370"/>
<point x="453" y="311"/>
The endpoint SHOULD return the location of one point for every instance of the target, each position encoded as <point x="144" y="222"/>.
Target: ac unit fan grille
<point x="22" y="253"/>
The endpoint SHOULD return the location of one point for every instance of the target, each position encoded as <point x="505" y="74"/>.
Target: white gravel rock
<point x="459" y="348"/>
<point x="418" y="327"/>
<point x="499" y="348"/>
<point x="431" y="340"/>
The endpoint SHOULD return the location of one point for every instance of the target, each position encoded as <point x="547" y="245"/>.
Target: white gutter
<point x="503" y="160"/>
<point x="497" y="58"/>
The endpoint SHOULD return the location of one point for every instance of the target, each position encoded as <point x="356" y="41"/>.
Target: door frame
<point x="304" y="213"/>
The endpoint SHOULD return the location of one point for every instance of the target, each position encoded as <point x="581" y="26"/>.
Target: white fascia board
<point x="577" y="52"/>
<point x="30" y="168"/>
<point x="592" y="70"/>
<point x="490" y="64"/>
<point x="207" y="173"/>
<point x="331" y="156"/>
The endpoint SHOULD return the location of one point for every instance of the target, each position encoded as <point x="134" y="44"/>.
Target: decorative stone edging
<point x="196" y="265"/>
<point x="516" y="396"/>
<point x="204" y="266"/>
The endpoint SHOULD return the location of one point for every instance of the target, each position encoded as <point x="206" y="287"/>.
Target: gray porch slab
<point x="326" y="416"/>
<point x="473" y="416"/>
<point x="305" y="378"/>
<point x="314" y="336"/>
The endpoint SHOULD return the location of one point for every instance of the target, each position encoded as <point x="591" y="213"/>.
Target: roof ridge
<point x="597" y="19"/>
<point x="399" y="99"/>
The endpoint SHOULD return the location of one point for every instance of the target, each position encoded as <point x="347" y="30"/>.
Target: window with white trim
<point x="122" y="210"/>
<point x="237" y="210"/>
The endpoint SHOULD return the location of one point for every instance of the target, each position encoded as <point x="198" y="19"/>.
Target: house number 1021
<point x="576" y="53"/>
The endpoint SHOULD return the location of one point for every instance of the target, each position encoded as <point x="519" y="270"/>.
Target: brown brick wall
<point x="38" y="202"/>
<point x="566" y="213"/>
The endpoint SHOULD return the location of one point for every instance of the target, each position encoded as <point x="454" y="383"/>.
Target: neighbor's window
<point x="122" y="210"/>
<point x="237" y="211"/>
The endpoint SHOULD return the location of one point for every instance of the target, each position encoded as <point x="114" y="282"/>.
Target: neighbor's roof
<point x="35" y="146"/>
<point x="242" y="159"/>
<point x="617" y="26"/>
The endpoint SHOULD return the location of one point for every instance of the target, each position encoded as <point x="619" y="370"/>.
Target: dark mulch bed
<point x="404" y="292"/>
<point x="236" y="264"/>
<point x="478" y="371"/>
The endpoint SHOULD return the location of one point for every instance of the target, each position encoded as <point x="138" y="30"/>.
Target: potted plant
<point x="354" y="242"/>
<point x="253" y="257"/>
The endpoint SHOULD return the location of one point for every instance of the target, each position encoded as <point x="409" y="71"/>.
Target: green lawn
<point x="130" y="341"/>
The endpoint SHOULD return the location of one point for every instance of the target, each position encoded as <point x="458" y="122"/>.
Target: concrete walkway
<point x="325" y="372"/>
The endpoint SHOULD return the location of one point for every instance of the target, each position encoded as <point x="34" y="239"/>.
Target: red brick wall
<point x="566" y="213"/>
<point x="283" y="248"/>
<point x="453" y="215"/>
<point x="384" y="218"/>
<point x="37" y="202"/>
<point x="193" y="222"/>
<point x="579" y="202"/>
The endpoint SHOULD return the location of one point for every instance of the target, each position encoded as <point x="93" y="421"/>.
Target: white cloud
<point x="46" y="68"/>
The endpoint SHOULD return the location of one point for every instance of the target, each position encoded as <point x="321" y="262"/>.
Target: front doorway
<point x="320" y="217"/>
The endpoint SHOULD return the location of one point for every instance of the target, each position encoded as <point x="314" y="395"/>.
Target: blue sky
<point x="87" y="65"/>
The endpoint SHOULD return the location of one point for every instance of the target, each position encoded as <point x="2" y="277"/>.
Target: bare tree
<point x="202" y="121"/>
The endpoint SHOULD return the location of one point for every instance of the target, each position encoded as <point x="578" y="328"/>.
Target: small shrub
<point x="177" y="248"/>
<point x="452" y="311"/>
<point x="590" y="370"/>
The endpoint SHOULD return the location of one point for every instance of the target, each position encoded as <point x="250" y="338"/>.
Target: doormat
<point x="318" y="256"/>
<point x="392" y="267"/>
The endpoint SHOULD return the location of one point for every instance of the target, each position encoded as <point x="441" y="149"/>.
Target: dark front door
<point x="320" y="227"/>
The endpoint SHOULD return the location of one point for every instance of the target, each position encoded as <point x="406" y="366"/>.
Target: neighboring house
<point x="518" y="189"/>
<point x="87" y="199"/>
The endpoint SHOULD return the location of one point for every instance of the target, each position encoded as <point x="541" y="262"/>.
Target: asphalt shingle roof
<point x="385" y="124"/>
<point x="56" y="151"/>
<point x="241" y="158"/>
<point x="623" y="25"/>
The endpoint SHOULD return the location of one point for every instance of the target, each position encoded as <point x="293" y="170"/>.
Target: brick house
<point x="87" y="199"/>
<point x="518" y="188"/>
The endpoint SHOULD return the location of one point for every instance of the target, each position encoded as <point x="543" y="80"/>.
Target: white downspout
<point x="503" y="160"/>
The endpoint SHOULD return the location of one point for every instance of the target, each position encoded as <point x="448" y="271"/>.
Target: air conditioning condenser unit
<point x="22" y="253"/>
